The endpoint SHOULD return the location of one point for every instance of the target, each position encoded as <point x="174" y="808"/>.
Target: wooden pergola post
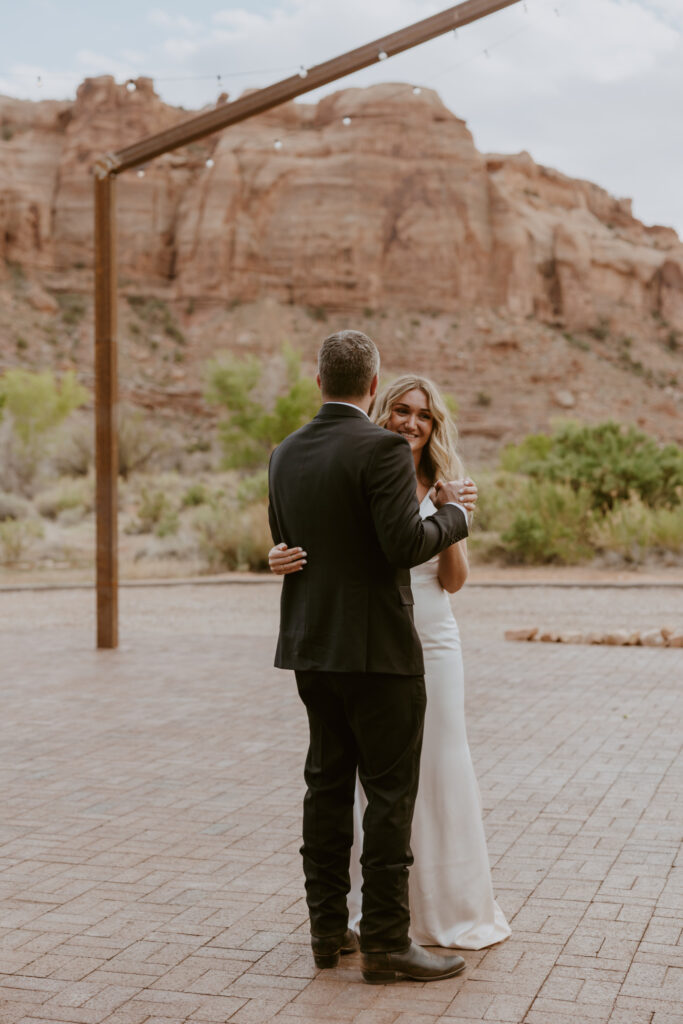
<point x="109" y="166"/>
<point x="106" y="410"/>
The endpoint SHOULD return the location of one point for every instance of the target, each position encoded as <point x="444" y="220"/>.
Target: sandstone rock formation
<point x="395" y="209"/>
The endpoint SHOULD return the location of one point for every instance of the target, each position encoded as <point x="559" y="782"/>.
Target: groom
<point x="344" y="489"/>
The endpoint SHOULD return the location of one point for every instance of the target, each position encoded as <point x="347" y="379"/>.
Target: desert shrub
<point x="16" y="538"/>
<point x="158" y="316"/>
<point x="231" y="538"/>
<point x="632" y="530"/>
<point x="156" y="514"/>
<point x="196" y="494"/>
<point x="72" y="307"/>
<point x="67" y="494"/>
<point x="551" y="523"/>
<point x="32" y="406"/>
<point x="37" y="402"/>
<point x="73" y="451"/>
<point x="12" y="507"/>
<point x="499" y="495"/>
<point x="250" y="430"/>
<point x="609" y="461"/>
<point x="253" y="488"/>
<point x="140" y="442"/>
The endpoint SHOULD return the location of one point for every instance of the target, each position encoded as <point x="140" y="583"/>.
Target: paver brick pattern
<point x="151" y="805"/>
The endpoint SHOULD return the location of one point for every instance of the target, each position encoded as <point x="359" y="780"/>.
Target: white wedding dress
<point x="451" y="895"/>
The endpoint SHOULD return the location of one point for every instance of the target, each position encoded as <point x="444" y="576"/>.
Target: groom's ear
<point x="317" y="380"/>
<point x="374" y="384"/>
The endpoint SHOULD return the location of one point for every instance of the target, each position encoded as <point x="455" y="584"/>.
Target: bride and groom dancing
<point x="376" y="654"/>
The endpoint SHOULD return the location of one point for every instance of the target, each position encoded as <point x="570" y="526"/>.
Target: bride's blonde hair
<point x="440" y="459"/>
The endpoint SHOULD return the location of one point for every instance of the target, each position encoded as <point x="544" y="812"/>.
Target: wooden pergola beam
<point x="111" y="164"/>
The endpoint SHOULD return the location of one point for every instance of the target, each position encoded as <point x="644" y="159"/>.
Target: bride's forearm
<point x="453" y="567"/>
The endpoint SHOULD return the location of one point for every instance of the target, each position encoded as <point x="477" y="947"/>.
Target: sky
<point x="593" y="88"/>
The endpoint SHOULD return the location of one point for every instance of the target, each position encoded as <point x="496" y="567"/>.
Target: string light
<point x="416" y="90"/>
<point x="278" y="144"/>
<point x="303" y="73"/>
<point x="346" y="120"/>
<point x="209" y="162"/>
<point x="382" y="55"/>
<point x="130" y="85"/>
<point x="39" y="82"/>
<point x="141" y="174"/>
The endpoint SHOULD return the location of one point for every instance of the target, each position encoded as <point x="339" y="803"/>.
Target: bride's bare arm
<point x="453" y="567"/>
<point x="453" y="564"/>
<point x="283" y="560"/>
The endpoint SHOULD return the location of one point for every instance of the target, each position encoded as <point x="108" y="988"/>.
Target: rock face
<point x="395" y="209"/>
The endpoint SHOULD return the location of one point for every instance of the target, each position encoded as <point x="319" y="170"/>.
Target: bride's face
<point x="412" y="419"/>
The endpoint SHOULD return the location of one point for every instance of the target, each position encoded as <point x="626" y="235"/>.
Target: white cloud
<point x="172" y="22"/>
<point x="93" y="63"/>
<point x="594" y="91"/>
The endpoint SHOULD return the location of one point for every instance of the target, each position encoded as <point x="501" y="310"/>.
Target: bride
<point x="451" y="895"/>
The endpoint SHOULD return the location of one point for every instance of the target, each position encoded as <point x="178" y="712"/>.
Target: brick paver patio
<point x="149" y="833"/>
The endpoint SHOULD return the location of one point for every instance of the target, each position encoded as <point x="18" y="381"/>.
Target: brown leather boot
<point x="326" y="951"/>
<point x="415" y="962"/>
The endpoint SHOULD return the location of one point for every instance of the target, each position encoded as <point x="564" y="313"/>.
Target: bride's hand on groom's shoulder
<point x="283" y="560"/>
<point x="464" y="492"/>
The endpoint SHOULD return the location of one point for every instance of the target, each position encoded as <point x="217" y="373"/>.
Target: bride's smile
<point x="412" y="419"/>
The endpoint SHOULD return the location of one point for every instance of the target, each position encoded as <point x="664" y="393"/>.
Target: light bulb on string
<point x="303" y="73"/>
<point x="346" y="121"/>
<point x="278" y="144"/>
<point x="141" y="173"/>
<point x="416" y="90"/>
<point x="382" y="55"/>
<point x="39" y="82"/>
<point x="130" y="85"/>
<point x="209" y="163"/>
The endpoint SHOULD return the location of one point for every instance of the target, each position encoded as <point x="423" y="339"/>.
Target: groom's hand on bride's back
<point x="283" y="560"/>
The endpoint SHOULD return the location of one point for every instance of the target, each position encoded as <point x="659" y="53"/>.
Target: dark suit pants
<point x="371" y="723"/>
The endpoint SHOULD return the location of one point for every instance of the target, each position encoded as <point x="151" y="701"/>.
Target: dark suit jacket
<point x="343" y="489"/>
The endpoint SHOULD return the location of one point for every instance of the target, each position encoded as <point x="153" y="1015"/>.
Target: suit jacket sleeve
<point x="272" y="518"/>
<point x="406" y="539"/>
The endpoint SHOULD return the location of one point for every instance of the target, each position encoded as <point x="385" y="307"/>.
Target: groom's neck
<point x="363" y="403"/>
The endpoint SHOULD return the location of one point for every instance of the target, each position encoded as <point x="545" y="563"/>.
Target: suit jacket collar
<point x="334" y="410"/>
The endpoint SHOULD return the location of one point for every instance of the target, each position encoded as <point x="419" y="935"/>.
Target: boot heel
<point x="379" y="977"/>
<point x="324" y="960"/>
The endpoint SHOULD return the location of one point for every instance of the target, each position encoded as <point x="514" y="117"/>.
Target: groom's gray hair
<point x="347" y="362"/>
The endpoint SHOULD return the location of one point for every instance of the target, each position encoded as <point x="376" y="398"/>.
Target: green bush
<point x="253" y="488"/>
<point x="156" y="513"/>
<point x="37" y="402"/>
<point x="250" y="431"/>
<point x="65" y="495"/>
<point x="196" y="494"/>
<point x="32" y="406"/>
<point x="140" y="442"/>
<point x="633" y="530"/>
<point x="233" y="538"/>
<point x="551" y="523"/>
<point x="16" y="538"/>
<point x="12" y="507"/>
<point x="609" y="461"/>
